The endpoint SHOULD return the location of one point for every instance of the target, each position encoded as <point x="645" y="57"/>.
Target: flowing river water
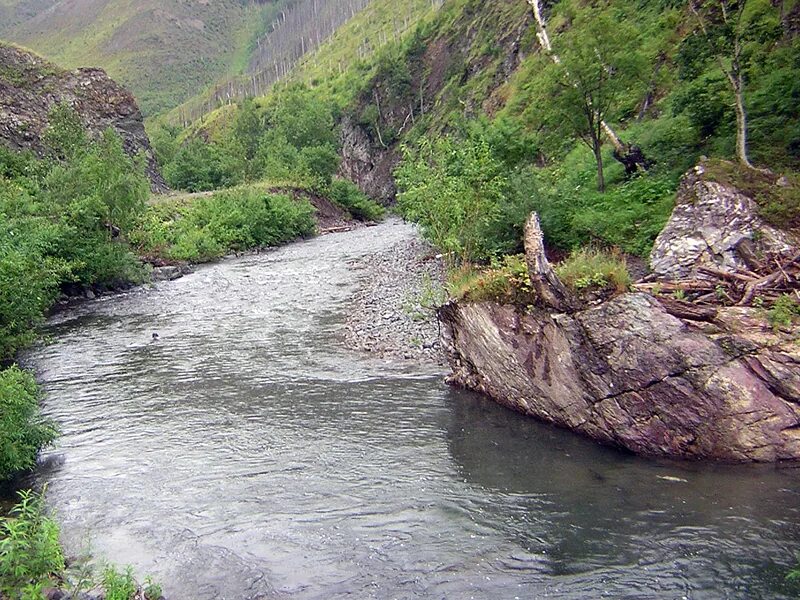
<point x="247" y="454"/>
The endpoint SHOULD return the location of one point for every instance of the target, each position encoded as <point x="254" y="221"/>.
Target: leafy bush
<point x="30" y="554"/>
<point x="117" y="585"/>
<point x="232" y="220"/>
<point x="22" y="430"/>
<point x="592" y="270"/>
<point x="785" y="311"/>
<point x="347" y="195"/>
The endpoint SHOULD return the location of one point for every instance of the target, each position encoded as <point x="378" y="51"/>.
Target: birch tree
<point x="595" y="67"/>
<point x="728" y="30"/>
<point x="629" y="155"/>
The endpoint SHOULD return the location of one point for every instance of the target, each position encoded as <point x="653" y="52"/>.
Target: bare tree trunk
<point x="550" y="291"/>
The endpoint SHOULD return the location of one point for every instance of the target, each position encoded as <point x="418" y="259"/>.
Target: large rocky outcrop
<point x="627" y="372"/>
<point x="713" y="225"/>
<point x="630" y="374"/>
<point x="30" y="87"/>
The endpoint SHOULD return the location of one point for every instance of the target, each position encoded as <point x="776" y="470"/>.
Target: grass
<point x="505" y="281"/>
<point x="589" y="269"/>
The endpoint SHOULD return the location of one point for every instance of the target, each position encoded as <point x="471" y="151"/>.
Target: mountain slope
<point x="31" y="87"/>
<point x="163" y="50"/>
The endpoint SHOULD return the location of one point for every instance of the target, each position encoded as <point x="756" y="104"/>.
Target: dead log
<point x="773" y="278"/>
<point x="687" y="310"/>
<point x="549" y="289"/>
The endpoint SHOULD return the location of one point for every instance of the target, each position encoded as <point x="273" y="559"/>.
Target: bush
<point x="588" y="270"/>
<point x="30" y="554"/>
<point x="119" y="586"/>
<point x="785" y="311"/>
<point x="346" y="194"/>
<point x="22" y="431"/>
<point x="232" y="220"/>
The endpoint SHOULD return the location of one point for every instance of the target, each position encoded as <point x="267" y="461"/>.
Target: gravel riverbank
<point x="393" y="315"/>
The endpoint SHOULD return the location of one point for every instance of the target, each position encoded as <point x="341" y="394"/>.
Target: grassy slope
<point x="162" y="51"/>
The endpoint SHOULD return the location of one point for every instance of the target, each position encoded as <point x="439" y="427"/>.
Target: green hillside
<point x="163" y="51"/>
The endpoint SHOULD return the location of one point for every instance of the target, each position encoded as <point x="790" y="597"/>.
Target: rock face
<point x="716" y="384"/>
<point x="30" y="87"/>
<point x="712" y="226"/>
<point x="367" y="164"/>
<point x="629" y="374"/>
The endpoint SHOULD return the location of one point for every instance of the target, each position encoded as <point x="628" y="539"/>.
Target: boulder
<point x="713" y="225"/>
<point x="30" y="87"/>
<point x="629" y="374"/>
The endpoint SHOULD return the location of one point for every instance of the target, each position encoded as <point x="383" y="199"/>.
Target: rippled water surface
<point x="247" y="454"/>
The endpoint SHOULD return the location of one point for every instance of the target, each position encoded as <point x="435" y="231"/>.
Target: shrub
<point x="347" y="195"/>
<point x="232" y="220"/>
<point x="30" y="554"/>
<point x="22" y="430"/>
<point x="117" y="585"/>
<point x="592" y="270"/>
<point x="785" y="311"/>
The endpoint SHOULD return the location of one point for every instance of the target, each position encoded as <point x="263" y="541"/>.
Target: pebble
<point x="393" y="315"/>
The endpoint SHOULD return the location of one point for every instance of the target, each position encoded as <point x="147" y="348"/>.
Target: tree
<point x="597" y="65"/>
<point x="730" y="31"/>
<point x="630" y="155"/>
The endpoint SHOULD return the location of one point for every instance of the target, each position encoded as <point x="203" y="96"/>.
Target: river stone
<point x="629" y="374"/>
<point x="707" y="226"/>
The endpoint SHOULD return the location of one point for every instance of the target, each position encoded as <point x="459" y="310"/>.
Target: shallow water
<point x="247" y="454"/>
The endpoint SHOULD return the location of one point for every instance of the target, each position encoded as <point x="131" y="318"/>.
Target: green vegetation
<point x="291" y="136"/>
<point x="211" y="226"/>
<point x="589" y="269"/>
<point x="22" y="431"/>
<point x="784" y="312"/>
<point x="30" y="553"/>
<point x="119" y="586"/>
<point x="163" y="51"/>
<point x="31" y="559"/>
<point x="504" y="280"/>
<point x="346" y="195"/>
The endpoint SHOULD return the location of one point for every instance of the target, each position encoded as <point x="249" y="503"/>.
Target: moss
<point x="778" y="197"/>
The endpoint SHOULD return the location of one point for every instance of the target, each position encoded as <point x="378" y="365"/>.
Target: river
<point x="246" y="453"/>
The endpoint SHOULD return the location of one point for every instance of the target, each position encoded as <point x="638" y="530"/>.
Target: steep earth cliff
<point x="30" y="87"/>
<point x="718" y="383"/>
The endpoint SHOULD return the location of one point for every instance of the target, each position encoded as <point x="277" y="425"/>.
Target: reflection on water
<point x="246" y="454"/>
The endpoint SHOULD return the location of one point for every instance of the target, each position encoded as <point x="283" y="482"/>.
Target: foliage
<point x="152" y="589"/>
<point x="590" y="269"/>
<point x="347" y="195"/>
<point x="463" y="196"/>
<point x="30" y="554"/>
<point x="231" y="220"/>
<point x="785" y="311"/>
<point x="599" y="63"/>
<point x="506" y="280"/>
<point x="119" y="585"/>
<point x="23" y="432"/>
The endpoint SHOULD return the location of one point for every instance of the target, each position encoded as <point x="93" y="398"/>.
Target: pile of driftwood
<point x="763" y="281"/>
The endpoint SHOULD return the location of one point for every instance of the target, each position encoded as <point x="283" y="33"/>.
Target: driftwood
<point x="549" y="289"/>
<point x="766" y="279"/>
<point x="688" y="310"/>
